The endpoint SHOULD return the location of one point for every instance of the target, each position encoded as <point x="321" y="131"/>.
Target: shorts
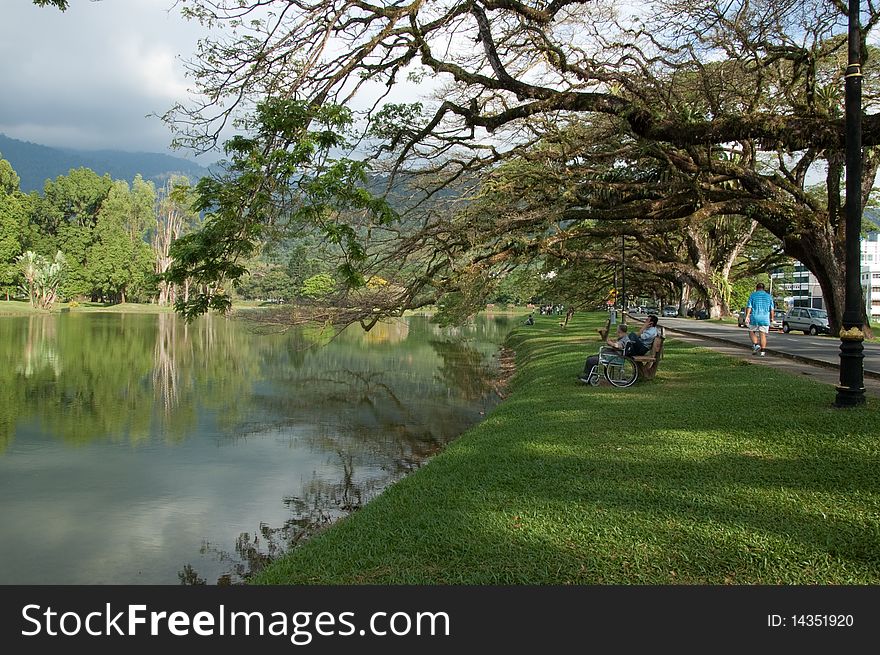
<point x="759" y="328"/>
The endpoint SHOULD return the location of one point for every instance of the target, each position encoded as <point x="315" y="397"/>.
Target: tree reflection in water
<point x="160" y="417"/>
<point x="320" y="504"/>
<point x="364" y="443"/>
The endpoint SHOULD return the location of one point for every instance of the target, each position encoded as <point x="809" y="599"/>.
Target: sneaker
<point x="755" y="348"/>
<point x="762" y="353"/>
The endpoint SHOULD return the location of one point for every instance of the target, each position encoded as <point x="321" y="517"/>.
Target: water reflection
<point x="146" y="450"/>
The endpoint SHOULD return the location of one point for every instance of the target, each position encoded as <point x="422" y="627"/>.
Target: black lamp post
<point x="851" y="390"/>
<point x="622" y="274"/>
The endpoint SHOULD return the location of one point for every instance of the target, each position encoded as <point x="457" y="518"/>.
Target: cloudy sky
<point x="88" y="77"/>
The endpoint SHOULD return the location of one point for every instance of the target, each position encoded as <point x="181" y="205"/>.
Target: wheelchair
<point x="618" y="368"/>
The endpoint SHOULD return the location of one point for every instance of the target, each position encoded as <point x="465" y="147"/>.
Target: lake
<point x="137" y="449"/>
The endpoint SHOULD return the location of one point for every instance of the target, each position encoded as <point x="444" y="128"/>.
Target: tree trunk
<point x="825" y="258"/>
<point x="685" y="299"/>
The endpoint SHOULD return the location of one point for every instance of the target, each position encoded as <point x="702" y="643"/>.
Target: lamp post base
<point x="848" y="397"/>
<point x="851" y="390"/>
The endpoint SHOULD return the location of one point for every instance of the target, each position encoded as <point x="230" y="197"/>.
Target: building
<point x="800" y="288"/>
<point x="871" y="274"/>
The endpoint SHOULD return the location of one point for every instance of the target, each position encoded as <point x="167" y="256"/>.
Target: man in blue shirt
<point x="759" y="313"/>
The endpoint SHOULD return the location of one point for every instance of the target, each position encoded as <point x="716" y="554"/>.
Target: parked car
<point x="809" y="321"/>
<point x="670" y="310"/>
<point x="778" y="320"/>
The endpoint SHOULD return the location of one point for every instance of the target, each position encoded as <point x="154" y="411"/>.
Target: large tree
<point x="66" y="217"/>
<point x="582" y="188"/>
<point x="13" y="221"/>
<point x="763" y="79"/>
<point x="119" y="259"/>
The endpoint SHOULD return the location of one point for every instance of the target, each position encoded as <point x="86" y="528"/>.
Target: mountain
<point x="35" y="163"/>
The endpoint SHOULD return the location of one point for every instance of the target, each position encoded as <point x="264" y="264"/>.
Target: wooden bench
<point x="650" y="361"/>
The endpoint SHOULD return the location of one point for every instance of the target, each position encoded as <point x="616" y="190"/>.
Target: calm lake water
<point x="136" y="449"/>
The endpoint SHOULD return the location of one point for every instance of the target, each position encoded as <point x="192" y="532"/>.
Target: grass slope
<point x="717" y="472"/>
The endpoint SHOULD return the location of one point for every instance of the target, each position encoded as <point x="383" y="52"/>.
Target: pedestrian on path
<point x="759" y="314"/>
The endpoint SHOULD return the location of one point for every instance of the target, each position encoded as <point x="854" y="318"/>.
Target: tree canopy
<point x="734" y="108"/>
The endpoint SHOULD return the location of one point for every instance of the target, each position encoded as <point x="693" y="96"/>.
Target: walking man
<point x="759" y="313"/>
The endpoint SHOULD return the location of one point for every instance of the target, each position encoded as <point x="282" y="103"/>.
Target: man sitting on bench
<point x="644" y="338"/>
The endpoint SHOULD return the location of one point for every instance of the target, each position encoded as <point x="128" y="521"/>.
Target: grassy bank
<point x="717" y="472"/>
<point x="23" y="308"/>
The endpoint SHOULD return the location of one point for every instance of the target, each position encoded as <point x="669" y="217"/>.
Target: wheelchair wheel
<point x="621" y="371"/>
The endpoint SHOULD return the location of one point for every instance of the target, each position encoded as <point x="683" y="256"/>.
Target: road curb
<point x="778" y="353"/>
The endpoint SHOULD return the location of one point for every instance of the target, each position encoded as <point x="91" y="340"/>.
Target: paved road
<point x="818" y="350"/>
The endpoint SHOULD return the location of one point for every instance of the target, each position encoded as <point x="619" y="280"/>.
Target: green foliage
<point x="475" y="287"/>
<point x="566" y="484"/>
<point x="267" y="281"/>
<point x="518" y="288"/>
<point x="723" y="286"/>
<point x="318" y="286"/>
<point x="75" y="240"/>
<point x="10" y="183"/>
<point x="12" y="223"/>
<point x="74" y="198"/>
<point x="120" y="261"/>
<point x="739" y="293"/>
<point x="303" y="261"/>
<point x="42" y="277"/>
<point x="279" y="179"/>
<point x="394" y="120"/>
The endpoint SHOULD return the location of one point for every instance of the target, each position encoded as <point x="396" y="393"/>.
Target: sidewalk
<point x="817" y="357"/>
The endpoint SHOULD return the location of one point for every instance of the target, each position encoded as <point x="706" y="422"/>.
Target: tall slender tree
<point x="13" y="220"/>
<point x="174" y="215"/>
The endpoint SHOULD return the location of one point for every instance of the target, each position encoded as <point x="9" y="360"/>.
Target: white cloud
<point x="89" y="77"/>
<point x="153" y="69"/>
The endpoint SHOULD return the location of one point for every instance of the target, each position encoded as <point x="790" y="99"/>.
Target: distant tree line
<point x="89" y="237"/>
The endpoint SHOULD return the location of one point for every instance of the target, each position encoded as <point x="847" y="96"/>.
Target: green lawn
<point x="717" y="472"/>
<point x="21" y="307"/>
<point x="17" y="308"/>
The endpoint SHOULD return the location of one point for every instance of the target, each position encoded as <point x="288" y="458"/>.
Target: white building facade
<point x="800" y="288"/>
<point x="871" y="274"/>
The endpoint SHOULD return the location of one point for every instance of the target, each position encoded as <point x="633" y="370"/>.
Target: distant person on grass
<point x="759" y="314"/>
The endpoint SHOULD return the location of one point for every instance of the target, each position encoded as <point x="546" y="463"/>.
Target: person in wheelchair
<point x="619" y="345"/>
